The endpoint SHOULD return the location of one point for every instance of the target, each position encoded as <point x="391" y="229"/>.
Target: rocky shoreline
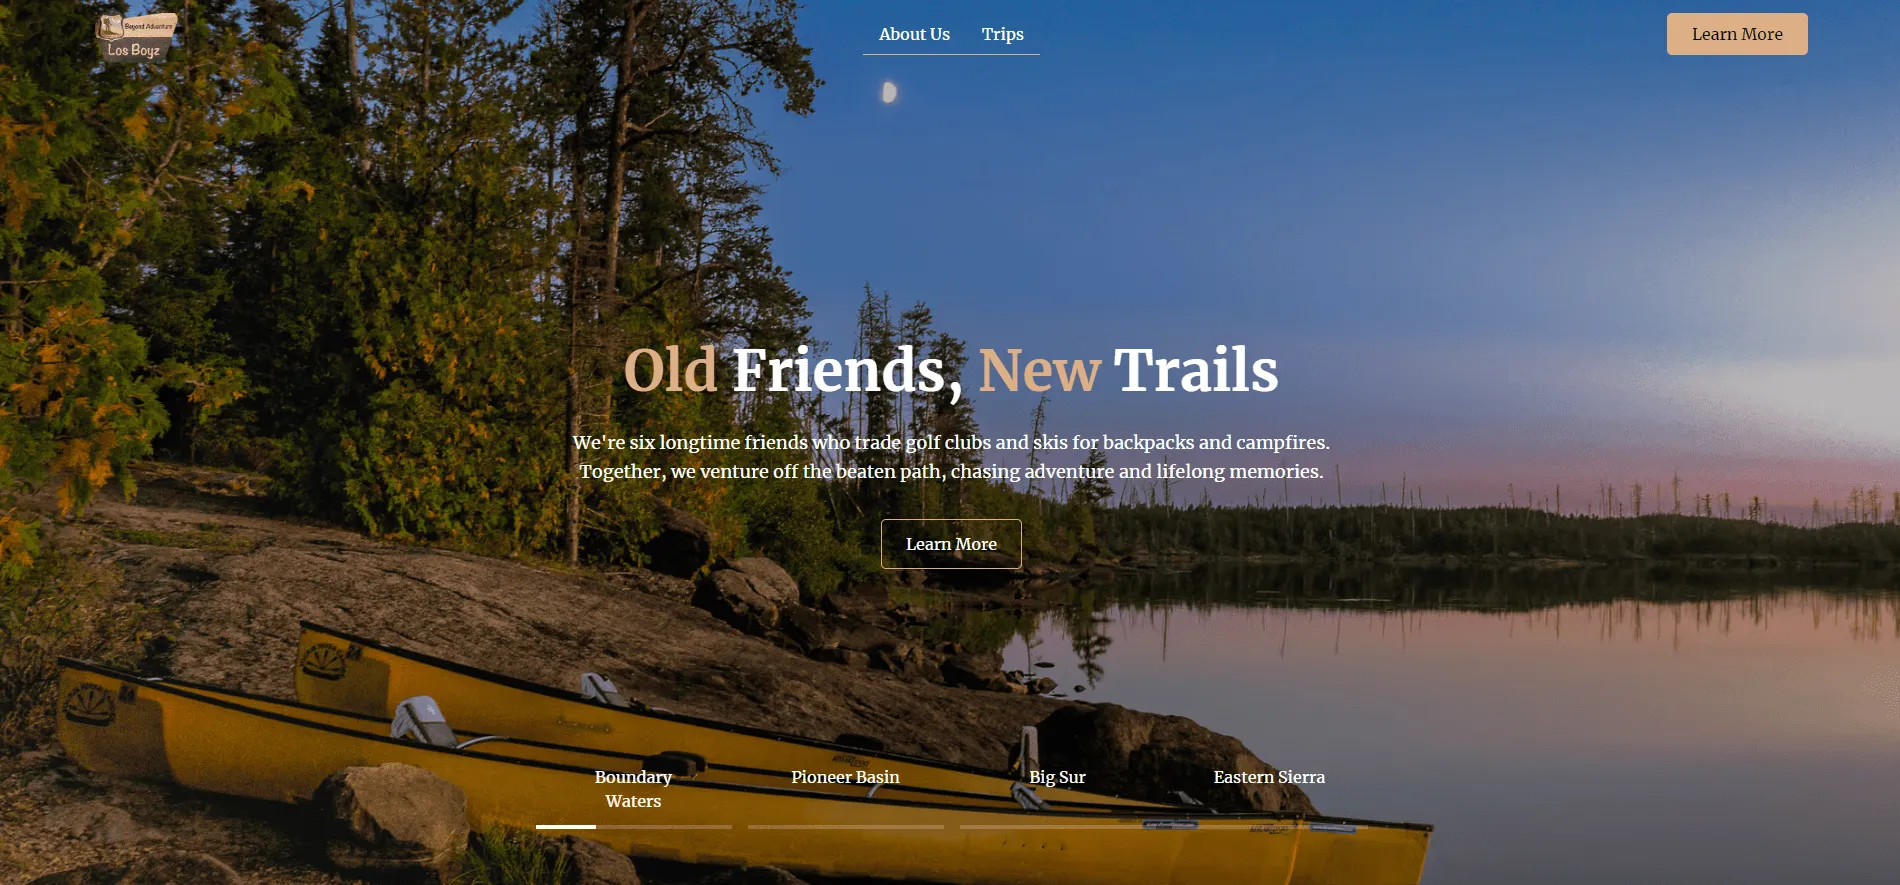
<point x="867" y="624"/>
<point x="225" y="586"/>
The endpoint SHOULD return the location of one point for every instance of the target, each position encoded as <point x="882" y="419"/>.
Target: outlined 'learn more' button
<point x="951" y="544"/>
<point x="1738" y="33"/>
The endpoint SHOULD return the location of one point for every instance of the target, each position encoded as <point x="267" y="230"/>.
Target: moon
<point x="890" y="92"/>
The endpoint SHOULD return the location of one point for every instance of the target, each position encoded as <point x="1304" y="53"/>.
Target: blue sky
<point x="1488" y="243"/>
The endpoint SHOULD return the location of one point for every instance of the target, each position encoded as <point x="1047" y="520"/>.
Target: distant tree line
<point x="1389" y="531"/>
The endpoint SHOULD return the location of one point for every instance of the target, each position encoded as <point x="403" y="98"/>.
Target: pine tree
<point x="1091" y="491"/>
<point x="952" y="417"/>
<point x="443" y="426"/>
<point x="661" y="147"/>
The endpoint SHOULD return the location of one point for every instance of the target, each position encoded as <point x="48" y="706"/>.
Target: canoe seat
<point x="677" y="763"/>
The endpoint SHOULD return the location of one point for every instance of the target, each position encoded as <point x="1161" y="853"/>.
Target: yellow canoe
<point x="338" y="670"/>
<point x="114" y="723"/>
<point x="598" y="760"/>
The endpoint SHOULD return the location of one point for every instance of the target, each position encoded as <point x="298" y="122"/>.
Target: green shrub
<point x="62" y="606"/>
<point x="789" y="522"/>
<point x="212" y="537"/>
<point x="506" y="856"/>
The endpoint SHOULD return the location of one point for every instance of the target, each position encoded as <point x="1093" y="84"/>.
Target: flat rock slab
<point x="542" y="625"/>
<point x="165" y="867"/>
<point x="97" y="821"/>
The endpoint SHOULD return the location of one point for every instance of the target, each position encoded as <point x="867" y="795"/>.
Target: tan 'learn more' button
<point x="1738" y="33"/>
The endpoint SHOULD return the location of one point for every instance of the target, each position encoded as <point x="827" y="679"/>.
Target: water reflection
<point x="1491" y="589"/>
<point x="1569" y="726"/>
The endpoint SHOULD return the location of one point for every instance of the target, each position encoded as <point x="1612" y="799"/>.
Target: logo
<point x="323" y="660"/>
<point x="90" y="704"/>
<point x="135" y="38"/>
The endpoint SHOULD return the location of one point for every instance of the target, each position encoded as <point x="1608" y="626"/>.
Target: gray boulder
<point x="806" y="627"/>
<point x="861" y="635"/>
<point x="1148" y="756"/>
<point x="682" y="546"/>
<point x="768" y="578"/>
<point x="392" y="817"/>
<point x="591" y="863"/>
<point x="906" y="659"/>
<point x="975" y="671"/>
<point x="750" y="594"/>
<point x="726" y="594"/>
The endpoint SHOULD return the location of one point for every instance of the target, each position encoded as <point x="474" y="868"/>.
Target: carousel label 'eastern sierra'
<point x="1268" y="777"/>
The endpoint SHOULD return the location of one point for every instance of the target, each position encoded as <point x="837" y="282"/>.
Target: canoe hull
<point x="1360" y="854"/>
<point x="349" y="673"/>
<point x="151" y="730"/>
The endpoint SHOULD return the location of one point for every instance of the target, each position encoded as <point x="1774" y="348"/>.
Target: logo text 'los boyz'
<point x="136" y="37"/>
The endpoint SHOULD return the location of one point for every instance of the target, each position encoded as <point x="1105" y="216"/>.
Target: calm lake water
<point x="1636" y="729"/>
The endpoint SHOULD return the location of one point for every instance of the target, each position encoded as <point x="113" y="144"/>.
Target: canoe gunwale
<point x="1119" y="814"/>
